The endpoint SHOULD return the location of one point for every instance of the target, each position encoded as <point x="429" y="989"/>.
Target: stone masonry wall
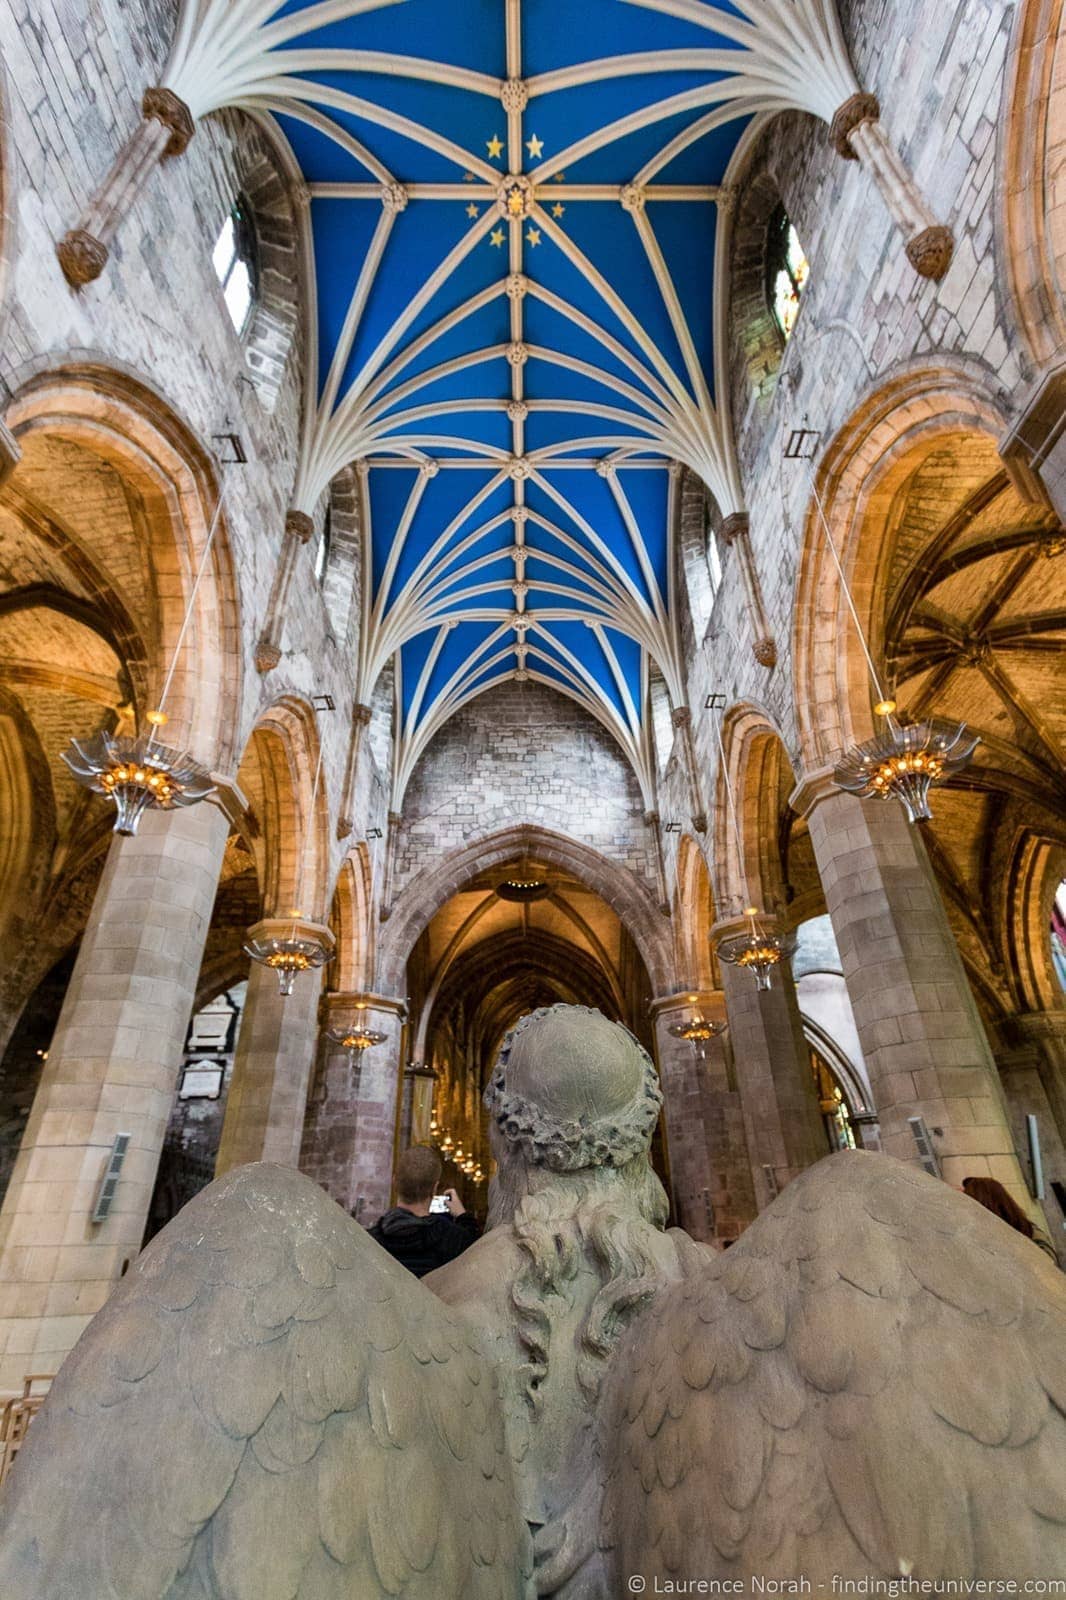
<point x="521" y="753"/>
<point x="73" y="84"/>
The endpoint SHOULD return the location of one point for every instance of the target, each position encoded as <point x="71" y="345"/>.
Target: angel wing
<point x="268" y="1408"/>
<point x="872" y="1381"/>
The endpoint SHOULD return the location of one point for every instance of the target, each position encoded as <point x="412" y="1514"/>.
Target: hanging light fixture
<point x="905" y="759"/>
<point x="697" y="1028"/>
<point x="358" y="1038"/>
<point x="140" y="773"/>
<point x="759" y="950"/>
<point x="304" y="947"/>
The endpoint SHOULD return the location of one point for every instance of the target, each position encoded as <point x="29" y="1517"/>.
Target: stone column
<point x="298" y="530"/>
<point x="379" y="1096"/>
<point x="654" y="822"/>
<point x="857" y="135"/>
<point x="681" y="717"/>
<point x="112" y="1068"/>
<point x="350" y="1136"/>
<point x="267" y="1097"/>
<point x="385" y="909"/>
<point x="361" y="715"/>
<point x="710" y="1170"/>
<point x="922" y="1039"/>
<point x="777" y="1089"/>
<point x="735" y="532"/>
<point x="165" y="131"/>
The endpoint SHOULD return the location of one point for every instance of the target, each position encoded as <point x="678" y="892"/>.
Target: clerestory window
<point x="236" y="262"/>
<point x="787" y="271"/>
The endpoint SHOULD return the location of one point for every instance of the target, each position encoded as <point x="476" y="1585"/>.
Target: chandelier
<point x="697" y="1028"/>
<point x="303" y="948"/>
<point x="905" y="760"/>
<point x="138" y="774"/>
<point x="357" y="1038"/>
<point x="758" y="950"/>
<point x="288" y="955"/>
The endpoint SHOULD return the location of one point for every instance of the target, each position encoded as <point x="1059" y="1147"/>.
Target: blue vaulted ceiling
<point x="514" y="209"/>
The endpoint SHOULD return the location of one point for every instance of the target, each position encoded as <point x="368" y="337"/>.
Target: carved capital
<point x="82" y="256"/>
<point x="699" y="822"/>
<point x="163" y="105"/>
<point x="681" y="717"/>
<point x="267" y="655"/>
<point x="361" y="714"/>
<point x="736" y="526"/>
<point x="856" y="109"/>
<point x="344" y="827"/>
<point x="299" y="526"/>
<point x="765" y="652"/>
<point x="930" y="251"/>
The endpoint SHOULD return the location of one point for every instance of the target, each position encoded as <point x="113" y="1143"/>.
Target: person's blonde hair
<point x="418" y="1173"/>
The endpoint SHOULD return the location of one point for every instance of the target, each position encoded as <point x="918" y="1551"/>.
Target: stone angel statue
<point x="870" y="1384"/>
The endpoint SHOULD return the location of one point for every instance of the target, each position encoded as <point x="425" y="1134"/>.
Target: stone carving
<point x="163" y="105"/>
<point x="855" y="110"/>
<point x="930" y="251"/>
<point x="82" y="256"/>
<point x="871" y="1382"/>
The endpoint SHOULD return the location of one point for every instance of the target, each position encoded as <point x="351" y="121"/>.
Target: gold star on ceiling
<point x="495" y="147"/>
<point x="534" y="145"/>
<point x="471" y="210"/>
<point x="560" y="177"/>
<point x="496" y="236"/>
<point x="533" y="237"/>
<point x="558" y="208"/>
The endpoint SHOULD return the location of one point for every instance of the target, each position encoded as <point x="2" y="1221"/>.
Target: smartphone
<point x="439" y="1203"/>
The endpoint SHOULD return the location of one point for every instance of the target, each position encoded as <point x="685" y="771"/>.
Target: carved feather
<point x="267" y="1408"/>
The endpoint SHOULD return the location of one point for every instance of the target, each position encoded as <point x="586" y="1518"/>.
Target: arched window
<point x="236" y="262"/>
<point x="786" y="271"/>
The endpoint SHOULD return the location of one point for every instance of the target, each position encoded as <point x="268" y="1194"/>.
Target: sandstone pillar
<point x="111" y="1069"/>
<point x="710" y="1170"/>
<point x="267" y="1097"/>
<point x="298" y="529"/>
<point x="346" y="1105"/>
<point x="777" y="1089"/>
<point x="857" y="135"/>
<point x="736" y="532"/>
<point x="378" y="1100"/>
<point x="922" y="1039"/>
<point x="165" y="131"/>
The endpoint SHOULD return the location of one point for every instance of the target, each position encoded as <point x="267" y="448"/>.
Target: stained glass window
<point x="236" y="262"/>
<point x="786" y="271"/>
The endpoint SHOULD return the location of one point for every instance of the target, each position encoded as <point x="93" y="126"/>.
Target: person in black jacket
<point x="420" y="1239"/>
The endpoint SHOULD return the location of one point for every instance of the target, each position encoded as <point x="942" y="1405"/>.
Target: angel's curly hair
<point x="576" y="1192"/>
